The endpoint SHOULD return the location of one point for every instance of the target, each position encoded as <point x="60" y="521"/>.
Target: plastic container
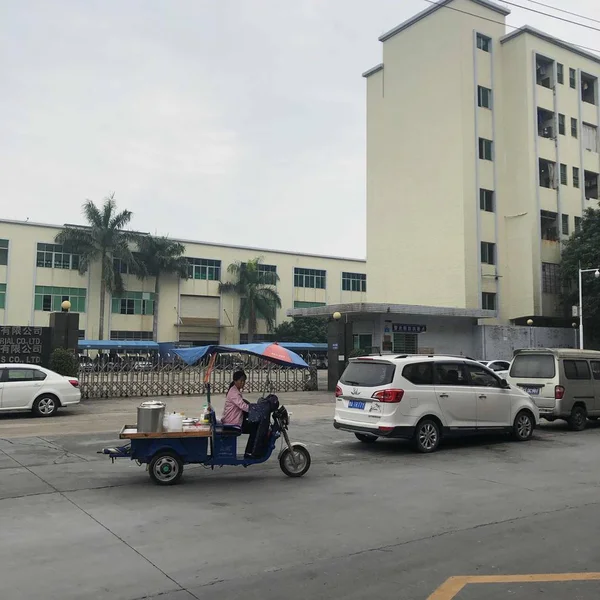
<point x="175" y="422"/>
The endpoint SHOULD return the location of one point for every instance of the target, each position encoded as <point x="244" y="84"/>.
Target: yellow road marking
<point x="451" y="587"/>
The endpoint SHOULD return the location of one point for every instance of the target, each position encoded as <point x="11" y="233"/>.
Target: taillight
<point x="338" y="391"/>
<point x="74" y="382"/>
<point x="389" y="396"/>
<point x="559" y="392"/>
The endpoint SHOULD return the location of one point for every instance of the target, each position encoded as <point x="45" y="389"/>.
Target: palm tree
<point x="103" y="239"/>
<point x="158" y="256"/>
<point x="256" y="290"/>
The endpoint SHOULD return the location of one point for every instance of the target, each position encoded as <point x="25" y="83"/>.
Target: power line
<point x="566" y="12"/>
<point x="464" y="12"/>
<point x="541" y="12"/>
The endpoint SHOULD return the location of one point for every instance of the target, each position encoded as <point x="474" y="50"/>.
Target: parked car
<point x="27" y="387"/>
<point x="499" y="366"/>
<point x="424" y="399"/>
<point x="564" y="384"/>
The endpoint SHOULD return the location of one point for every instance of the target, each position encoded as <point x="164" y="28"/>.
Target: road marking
<point x="451" y="587"/>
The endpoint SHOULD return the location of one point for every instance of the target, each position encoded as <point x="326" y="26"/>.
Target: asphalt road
<point x="366" y="522"/>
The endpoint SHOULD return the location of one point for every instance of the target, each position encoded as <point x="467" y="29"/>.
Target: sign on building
<point x="406" y="328"/>
<point x="29" y="345"/>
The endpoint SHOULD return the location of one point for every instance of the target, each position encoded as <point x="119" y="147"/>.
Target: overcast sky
<point x="234" y="121"/>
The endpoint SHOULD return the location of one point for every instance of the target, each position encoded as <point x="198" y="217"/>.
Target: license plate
<point x="532" y="391"/>
<point x="356" y="404"/>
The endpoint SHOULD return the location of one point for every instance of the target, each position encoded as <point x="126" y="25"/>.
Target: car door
<point x="595" y="365"/>
<point x="455" y="395"/>
<point x="493" y="401"/>
<point x="20" y="386"/>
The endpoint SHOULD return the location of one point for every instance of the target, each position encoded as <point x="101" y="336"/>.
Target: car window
<point x="595" y="368"/>
<point x="481" y="377"/>
<point x="500" y="366"/>
<point x="19" y="375"/>
<point x="419" y="373"/>
<point x="368" y="374"/>
<point x="576" y="369"/>
<point x="451" y="374"/>
<point x="533" y="366"/>
<point x="39" y="375"/>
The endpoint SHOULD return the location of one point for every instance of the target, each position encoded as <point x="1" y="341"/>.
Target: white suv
<point x="423" y="398"/>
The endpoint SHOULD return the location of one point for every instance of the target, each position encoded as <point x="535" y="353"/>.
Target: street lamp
<point x="596" y="273"/>
<point x="66" y="306"/>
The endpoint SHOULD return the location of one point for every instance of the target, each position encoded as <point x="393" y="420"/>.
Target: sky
<point x="229" y="121"/>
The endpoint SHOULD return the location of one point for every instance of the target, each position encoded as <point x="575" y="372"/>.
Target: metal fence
<point x="136" y="379"/>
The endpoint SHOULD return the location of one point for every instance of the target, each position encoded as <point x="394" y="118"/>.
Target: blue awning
<point x="116" y="345"/>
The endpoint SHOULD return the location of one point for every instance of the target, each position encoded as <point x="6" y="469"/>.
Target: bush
<point x="64" y="362"/>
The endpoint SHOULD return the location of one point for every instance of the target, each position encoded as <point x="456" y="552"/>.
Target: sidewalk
<point x="109" y="415"/>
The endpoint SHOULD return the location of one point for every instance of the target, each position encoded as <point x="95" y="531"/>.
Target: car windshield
<point x="368" y="374"/>
<point x="533" y="366"/>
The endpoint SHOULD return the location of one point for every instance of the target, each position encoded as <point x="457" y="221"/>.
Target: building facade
<point x="36" y="275"/>
<point x="482" y="154"/>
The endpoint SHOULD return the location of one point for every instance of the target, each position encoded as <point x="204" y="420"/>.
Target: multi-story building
<point x="36" y="275"/>
<point x="482" y="153"/>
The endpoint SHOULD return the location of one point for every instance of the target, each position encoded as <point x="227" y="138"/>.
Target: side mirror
<point x="504" y="384"/>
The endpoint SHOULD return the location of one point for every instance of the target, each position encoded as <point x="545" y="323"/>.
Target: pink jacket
<point x="235" y="407"/>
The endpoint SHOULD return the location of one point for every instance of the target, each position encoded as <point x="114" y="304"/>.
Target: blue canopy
<point x="269" y="351"/>
<point x="116" y="345"/>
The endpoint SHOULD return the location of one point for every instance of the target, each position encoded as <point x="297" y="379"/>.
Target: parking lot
<point x="366" y="521"/>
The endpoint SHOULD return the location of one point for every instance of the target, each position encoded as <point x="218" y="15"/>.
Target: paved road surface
<point x="367" y="521"/>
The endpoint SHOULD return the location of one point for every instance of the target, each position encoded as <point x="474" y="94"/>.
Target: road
<point x="366" y="521"/>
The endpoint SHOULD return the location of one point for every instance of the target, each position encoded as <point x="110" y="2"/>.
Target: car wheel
<point x="45" y="406"/>
<point x="365" y="438"/>
<point x="166" y="468"/>
<point x="578" y="419"/>
<point x="523" y="426"/>
<point x="427" y="436"/>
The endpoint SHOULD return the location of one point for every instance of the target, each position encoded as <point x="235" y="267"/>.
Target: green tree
<point x="103" y="239"/>
<point x="258" y="296"/>
<point x="302" y="329"/>
<point x="582" y="250"/>
<point x="159" y="257"/>
<point x="64" y="362"/>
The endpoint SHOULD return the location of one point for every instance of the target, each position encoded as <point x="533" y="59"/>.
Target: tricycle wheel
<point x="166" y="468"/>
<point x="301" y="458"/>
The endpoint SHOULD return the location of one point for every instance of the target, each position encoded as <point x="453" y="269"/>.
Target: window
<point x="544" y="68"/>
<point x="120" y="266"/>
<point x="53" y="256"/>
<point x="481" y="377"/>
<point x="368" y="373"/>
<point x="575" y="177"/>
<point x="546" y="123"/>
<point x="49" y="299"/>
<point x="560" y="73"/>
<point x="550" y="278"/>
<point x="573" y="127"/>
<point x="565" y="224"/>
<point x="595" y="369"/>
<point x="419" y="373"/>
<point x="573" y="78"/>
<point x="362" y="341"/>
<point x="19" y="375"/>
<point x="488" y="301"/>
<point x="561" y="124"/>
<point x="488" y="253"/>
<point x="486" y="200"/>
<point x="301" y="304"/>
<point x="589" y="133"/>
<point x="133" y="303"/>
<point x="354" y="282"/>
<point x="131" y="336"/>
<point x="204" y="268"/>
<point x="3" y="252"/>
<point x="588" y="89"/>
<point x="549" y="226"/>
<point x="547" y="173"/>
<point x="309" y="278"/>
<point x="484" y="43"/>
<point x="576" y="369"/>
<point x="533" y="366"/>
<point x="267" y="274"/>
<point x="451" y="374"/>
<point x="258" y="337"/>
<point x="577" y="224"/>
<point x="485" y="149"/>
<point x="484" y="97"/>
<point x="405" y="343"/>
<point x="563" y="175"/>
<point x="591" y="185"/>
<point x="2" y="295"/>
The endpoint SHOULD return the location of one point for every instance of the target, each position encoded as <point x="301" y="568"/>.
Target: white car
<point x="27" y="387"/>
<point x="425" y="398"/>
<point x="500" y="367"/>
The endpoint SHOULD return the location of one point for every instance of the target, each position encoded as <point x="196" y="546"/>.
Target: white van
<point x="564" y="384"/>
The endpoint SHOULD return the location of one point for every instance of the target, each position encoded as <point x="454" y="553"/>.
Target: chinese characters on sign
<point x="29" y="345"/>
<point x="401" y="328"/>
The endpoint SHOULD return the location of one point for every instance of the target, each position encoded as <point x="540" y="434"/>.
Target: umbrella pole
<point x="209" y="371"/>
